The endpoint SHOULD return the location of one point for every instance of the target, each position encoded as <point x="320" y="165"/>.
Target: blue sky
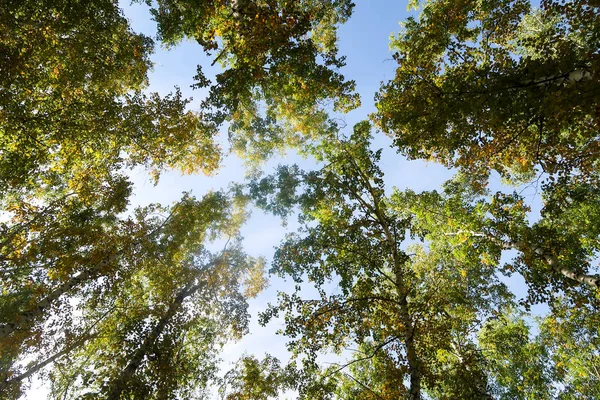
<point x="364" y="40"/>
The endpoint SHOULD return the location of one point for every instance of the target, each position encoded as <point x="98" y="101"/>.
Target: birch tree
<point x="163" y="342"/>
<point x="400" y="307"/>
<point x="107" y="252"/>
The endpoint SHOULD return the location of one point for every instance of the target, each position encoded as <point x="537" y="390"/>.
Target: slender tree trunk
<point x="590" y="280"/>
<point x="37" y="367"/>
<point x="26" y="318"/>
<point x="117" y="386"/>
<point x="414" y="364"/>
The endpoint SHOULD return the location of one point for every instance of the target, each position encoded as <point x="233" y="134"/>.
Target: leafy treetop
<point x="497" y="85"/>
<point x="281" y="66"/>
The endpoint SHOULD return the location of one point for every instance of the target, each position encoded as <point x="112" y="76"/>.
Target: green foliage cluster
<point x="497" y="85"/>
<point x="113" y="303"/>
<point x="280" y="67"/>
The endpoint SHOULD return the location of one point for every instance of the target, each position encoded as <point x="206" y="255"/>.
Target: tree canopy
<point x="280" y="66"/>
<point x="498" y="85"/>
<point x="410" y="291"/>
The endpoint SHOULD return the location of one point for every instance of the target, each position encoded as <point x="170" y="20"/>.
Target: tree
<point x="74" y="114"/>
<point x="92" y="262"/>
<point x="498" y="86"/>
<point x="281" y="66"/>
<point x="519" y="365"/>
<point x="108" y="302"/>
<point x="570" y="335"/>
<point x="73" y="105"/>
<point x="402" y="306"/>
<point x="267" y="378"/>
<point x="256" y="379"/>
<point x="560" y="361"/>
<point x="163" y="338"/>
<point x="555" y="254"/>
<point x="51" y="250"/>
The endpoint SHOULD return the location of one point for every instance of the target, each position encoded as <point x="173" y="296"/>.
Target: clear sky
<point x="364" y="40"/>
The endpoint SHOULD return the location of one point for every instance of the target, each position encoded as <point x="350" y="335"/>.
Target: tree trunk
<point x="590" y="280"/>
<point x="37" y="367"/>
<point x="414" y="364"/>
<point x="117" y="386"/>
